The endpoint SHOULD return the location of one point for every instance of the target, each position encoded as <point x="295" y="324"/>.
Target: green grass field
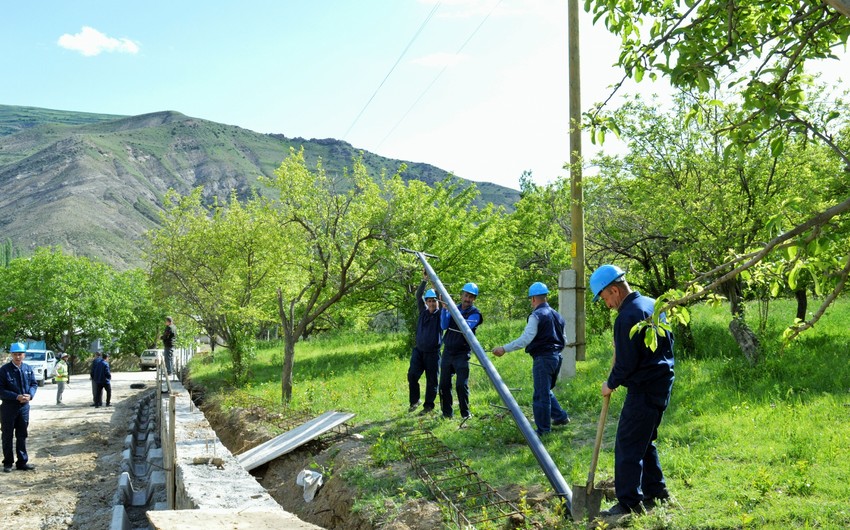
<point x="741" y="446"/>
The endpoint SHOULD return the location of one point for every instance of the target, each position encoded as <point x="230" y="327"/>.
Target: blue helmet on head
<point x="17" y="347"/>
<point x="470" y="288"/>
<point x="430" y="294"/>
<point x="538" y="288"/>
<point x="604" y="276"/>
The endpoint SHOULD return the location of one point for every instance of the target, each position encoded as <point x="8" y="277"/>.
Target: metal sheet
<point x="290" y="440"/>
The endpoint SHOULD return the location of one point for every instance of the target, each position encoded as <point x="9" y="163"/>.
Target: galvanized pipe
<point x="549" y="468"/>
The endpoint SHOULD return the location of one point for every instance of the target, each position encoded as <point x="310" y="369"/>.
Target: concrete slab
<point x="223" y="519"/>
<point x="290" y="440"/>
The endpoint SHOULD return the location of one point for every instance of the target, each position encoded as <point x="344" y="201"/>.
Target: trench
<point x="141" y="485"/>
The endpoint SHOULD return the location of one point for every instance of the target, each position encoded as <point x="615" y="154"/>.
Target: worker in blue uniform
<point x="457" y="351"/>
<point x="543" y="339"/>
<point x="17" y="388"/>
<point x="648" y="375"/>
<point x="425" y="357"/>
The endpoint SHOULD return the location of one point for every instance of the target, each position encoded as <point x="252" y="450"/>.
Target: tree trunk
<point x="802" y="303"/>
<point x="684" y="338"/>
<point x="741" y="332"/>
<point x="746" y="339"/>
<point x="286" y="372"/>
<point x="289" y="339"/>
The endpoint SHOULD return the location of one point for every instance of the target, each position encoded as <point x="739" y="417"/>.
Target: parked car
<point x="150" y="359"/>
<point x="43" y="363"/>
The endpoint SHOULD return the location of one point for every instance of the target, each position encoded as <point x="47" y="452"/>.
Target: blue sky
<point x="481" y="91"/>
<point x="308" y="68"/>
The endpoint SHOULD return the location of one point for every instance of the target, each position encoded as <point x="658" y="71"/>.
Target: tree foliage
<point x="67" y="301"/>
<point x="336" y="230"/>
<point x="759" y="51"/>
<point x="443" y="221"/>
<point x="216" y="265"/>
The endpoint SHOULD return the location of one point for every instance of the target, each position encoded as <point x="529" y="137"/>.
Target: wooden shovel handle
<point x="600" y="429"/>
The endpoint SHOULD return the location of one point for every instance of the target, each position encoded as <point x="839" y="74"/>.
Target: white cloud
<point x="439" y="60"/>
<point x="91" y="42"/>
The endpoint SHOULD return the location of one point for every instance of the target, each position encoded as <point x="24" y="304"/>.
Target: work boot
<point x="651" y="501"/>
<point x="621" y="509"/>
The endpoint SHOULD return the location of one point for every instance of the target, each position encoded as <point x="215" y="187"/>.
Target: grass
<point x="741" y="446"/>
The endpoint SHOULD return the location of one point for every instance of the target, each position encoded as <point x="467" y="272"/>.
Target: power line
<point x="421" y="27"/>
<point x="421" y="95"/>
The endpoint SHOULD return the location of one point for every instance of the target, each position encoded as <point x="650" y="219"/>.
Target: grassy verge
<point x="742" y="446"/>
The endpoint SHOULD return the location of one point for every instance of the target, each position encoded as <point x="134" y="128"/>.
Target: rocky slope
<point x="94" y="183"/>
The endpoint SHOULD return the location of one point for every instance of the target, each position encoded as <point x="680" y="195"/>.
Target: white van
<point x="43" y="363"/>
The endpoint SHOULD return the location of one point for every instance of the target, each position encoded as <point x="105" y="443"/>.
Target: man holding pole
<point x="543" y="339"/>
<point x="456" y="352"/>
<point x="426" y="354"/>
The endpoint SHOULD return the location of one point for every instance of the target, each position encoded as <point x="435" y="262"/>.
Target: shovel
<point x="586" y="499"/>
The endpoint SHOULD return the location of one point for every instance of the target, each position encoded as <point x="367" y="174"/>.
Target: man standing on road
<point x="94" y="374"/>
<point x="103" y="378"/>
<point x="17" y="388"/>
<point x="61" y="377"/>
<point x="456" y="352"/>
<point x="543" y="339"/>
<point x="639" y="482"/>
<point x="168" y="337"/>
<point x="426" y="353"/>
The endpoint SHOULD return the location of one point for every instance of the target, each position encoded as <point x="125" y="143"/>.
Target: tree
<point x="63" y="300"/>
<point x="699" y="45"/>
<point x="217" y="264"/>
<point x="443" y="221"/>
<point x="337" y="231"/>
<point x="674" y="205"/>
<point x="145" y="323"/>
<point x="542" y="235"/>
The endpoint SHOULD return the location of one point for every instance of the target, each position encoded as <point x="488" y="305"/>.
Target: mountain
<point x="94" y="183"/>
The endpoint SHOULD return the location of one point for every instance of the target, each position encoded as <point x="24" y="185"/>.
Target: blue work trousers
<point x="545" y="405"/>
<point x="637" y="470"/>
<point x="454" y="364"/>
<point x="14" y="420"/>
<point x="429" y="363"/>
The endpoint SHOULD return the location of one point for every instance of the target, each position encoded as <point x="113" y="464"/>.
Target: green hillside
<point x="94" y="183"/>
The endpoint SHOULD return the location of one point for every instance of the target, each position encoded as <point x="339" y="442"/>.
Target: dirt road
<point x="77" y="453"/>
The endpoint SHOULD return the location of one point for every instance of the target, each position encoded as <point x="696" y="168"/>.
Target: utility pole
<point x="576" y="188"/>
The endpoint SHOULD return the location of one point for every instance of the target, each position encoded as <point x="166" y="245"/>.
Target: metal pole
<point x="549" y="468"/>
<point x="576" y="188"/>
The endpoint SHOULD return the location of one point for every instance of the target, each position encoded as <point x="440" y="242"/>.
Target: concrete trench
<point x="141" y="485"/>
<point x="211" y="489"/>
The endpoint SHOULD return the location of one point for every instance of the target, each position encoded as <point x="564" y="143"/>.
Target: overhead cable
<point x="421" y="95"/>
<point x="421" y="27"/>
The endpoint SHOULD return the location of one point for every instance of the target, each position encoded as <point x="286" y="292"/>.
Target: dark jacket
<point x="15" y="381"/>
<point x="453" y="340"/>
<point x="428" y="331"/>
<point x="168" y="336"/>
<point x="550" y="332"/>
<point x="637" y="367"/>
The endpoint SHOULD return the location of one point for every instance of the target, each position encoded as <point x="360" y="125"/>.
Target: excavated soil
<point x="331" y="508"/>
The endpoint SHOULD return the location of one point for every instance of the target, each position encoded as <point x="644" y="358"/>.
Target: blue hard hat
<point x="538" y="288"/>
<point x="470" y="288"/>
<point x="430" y="294"/>
<point x="17" y="347"/>
<point x="604" y="276"/>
